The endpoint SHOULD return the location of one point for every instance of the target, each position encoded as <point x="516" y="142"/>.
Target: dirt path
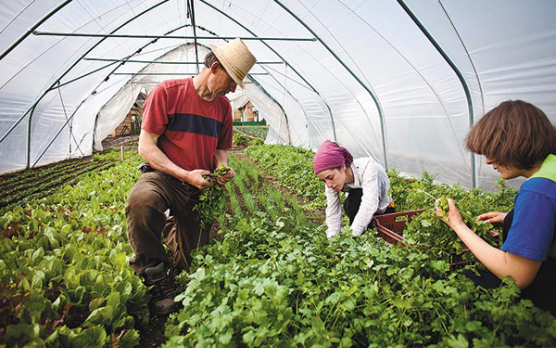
<point x="128" y="141"/>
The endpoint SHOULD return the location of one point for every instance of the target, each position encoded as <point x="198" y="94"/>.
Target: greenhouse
<point x="404" y="85"/>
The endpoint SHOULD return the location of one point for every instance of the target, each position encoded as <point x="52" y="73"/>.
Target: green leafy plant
<point x="212" y="200"/>
<point x="271" y="279"/>
<point x="240" y="139"/>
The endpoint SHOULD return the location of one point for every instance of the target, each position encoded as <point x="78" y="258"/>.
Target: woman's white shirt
<point x="369" y="176"/>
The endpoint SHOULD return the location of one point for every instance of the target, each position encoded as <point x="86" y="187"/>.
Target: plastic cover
<point x="373" y="81"/>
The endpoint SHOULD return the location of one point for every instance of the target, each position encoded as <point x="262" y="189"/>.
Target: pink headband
<point x="330" y="155"/>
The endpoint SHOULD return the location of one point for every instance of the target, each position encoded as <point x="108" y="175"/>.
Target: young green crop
<point x="478" y="227"/>
<point x="212" y="200"/>
<point x="442" y="204"/>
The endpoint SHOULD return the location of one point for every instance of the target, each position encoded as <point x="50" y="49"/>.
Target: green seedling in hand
<point x="213" y="199"/>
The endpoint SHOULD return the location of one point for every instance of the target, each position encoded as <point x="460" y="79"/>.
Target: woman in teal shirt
<point x="518" y="140"/>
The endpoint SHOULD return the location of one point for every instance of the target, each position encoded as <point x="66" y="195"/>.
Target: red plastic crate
<point x="390" y="227"/>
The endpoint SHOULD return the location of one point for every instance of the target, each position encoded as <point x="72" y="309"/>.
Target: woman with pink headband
<point x="364" y="180"/>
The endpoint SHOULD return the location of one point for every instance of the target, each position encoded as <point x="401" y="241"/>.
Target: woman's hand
<point x="454" y="218"/>
<point x="493" y="217"/>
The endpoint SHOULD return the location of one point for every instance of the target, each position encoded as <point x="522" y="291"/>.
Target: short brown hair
<point x="210" y="59"/>
<point x="515" y="133"/>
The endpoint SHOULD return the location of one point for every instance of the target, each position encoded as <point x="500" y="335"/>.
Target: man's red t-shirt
<point x="191" y="128"/>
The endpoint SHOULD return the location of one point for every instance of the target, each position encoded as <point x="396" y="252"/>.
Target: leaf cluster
<point x="213" y="199"/>
<point x="278" y="283"/>
<point x="65" y="278"/>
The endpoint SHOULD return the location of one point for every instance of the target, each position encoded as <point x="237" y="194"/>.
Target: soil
<point x="128" y="141"/>
<point x="153" y="334"/>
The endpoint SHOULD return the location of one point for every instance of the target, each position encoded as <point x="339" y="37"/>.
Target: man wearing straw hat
<point x="185" y="132"/>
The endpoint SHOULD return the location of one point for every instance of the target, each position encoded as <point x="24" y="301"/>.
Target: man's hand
<point x="223" y="179"/>
<point x="199" y="178"/>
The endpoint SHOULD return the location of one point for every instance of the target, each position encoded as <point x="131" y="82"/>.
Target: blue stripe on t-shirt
<point x="190" y="123"/>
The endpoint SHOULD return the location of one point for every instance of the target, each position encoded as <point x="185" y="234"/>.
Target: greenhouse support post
<point x="440" y="50"/>
<point x="191" y="12"/>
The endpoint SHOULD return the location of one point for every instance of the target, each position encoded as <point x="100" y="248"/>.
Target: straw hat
<point x="236" y="59"/>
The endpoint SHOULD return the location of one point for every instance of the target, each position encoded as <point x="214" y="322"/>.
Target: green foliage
<point x="65" y="279"/>
<point x="254" y="142"/>
<point x="240" y="139"/>
<point x="293" y="167"/>
<point x="274" y="282"/>
<point x="427" y="232"/>
<point x="280" y="285"/>
<point x="271" y="280"/>
<point x="212" y="200"/>
<point x="253" y="131"/>
<point x="40" y="182"/>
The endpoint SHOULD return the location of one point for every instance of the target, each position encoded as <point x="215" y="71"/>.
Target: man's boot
<point x="162" y="291"/>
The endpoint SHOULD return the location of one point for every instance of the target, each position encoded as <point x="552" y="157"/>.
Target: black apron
<point x="540" y="291"/>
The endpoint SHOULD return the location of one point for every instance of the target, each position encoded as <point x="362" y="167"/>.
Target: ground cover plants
<point x="39" y="182"/>
<point x="65" y="279"/>
<point x="269" y="278"/>
<point x="253" y="131"/>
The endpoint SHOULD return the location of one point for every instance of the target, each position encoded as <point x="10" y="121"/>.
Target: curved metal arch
<point x="474" y="174"/>
<point x="434" y="92"/>
<point x="468" y="55"/>
<point x="35" y="26"/>
<point x="357" y="101"/>
<point x="113" y="71"/>
<point x="37" y="57"/>
<point x="294" y="98"/>
<point x="171" y="31"/>
<point x="130" y="56"/>
<point x="280" y="56"/>
<point x="354" y="97"/>
<point x="372" y="94"/>
<point x="77" y="108"/>
<point x="32" y="108"/>
<point x="339" y="119"/>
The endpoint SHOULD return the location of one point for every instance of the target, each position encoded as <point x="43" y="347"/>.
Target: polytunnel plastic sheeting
<point x="266" y="106"/>
<point x="399" y="89"/>
<point x="146" y="79"/>
<point x="119" y="105"/>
